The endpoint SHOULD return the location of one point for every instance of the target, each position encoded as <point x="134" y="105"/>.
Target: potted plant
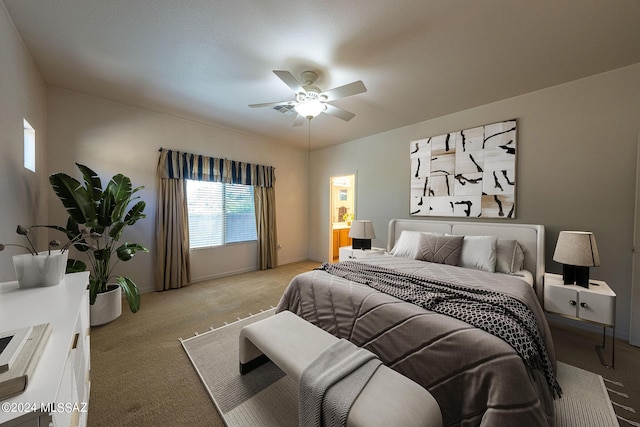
<point x="46" y="268"/>
<point x="100" y="216"/>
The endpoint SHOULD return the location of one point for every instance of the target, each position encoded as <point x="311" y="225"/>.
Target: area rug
<point x="267" y="397"/>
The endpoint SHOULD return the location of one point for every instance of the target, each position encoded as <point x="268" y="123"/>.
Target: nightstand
<point x="596" y="304"/>
<point x="347" y="252"/>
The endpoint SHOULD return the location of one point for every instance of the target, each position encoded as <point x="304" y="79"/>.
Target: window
<point x="29" y="146"/>
<point x="220" y="213"/>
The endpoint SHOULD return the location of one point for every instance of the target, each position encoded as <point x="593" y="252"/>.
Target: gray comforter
<point x="477" y="378"/>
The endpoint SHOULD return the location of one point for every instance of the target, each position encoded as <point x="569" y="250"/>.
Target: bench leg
<point x="250" y="356"/>
<point x="253" y="364"/>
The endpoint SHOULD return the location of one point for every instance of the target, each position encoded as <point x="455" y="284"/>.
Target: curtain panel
<point x="172" y="229"/>
<point x="172" y="260"/>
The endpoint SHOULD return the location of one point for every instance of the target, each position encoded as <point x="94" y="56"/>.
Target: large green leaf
<point x="120" y="187"/>
<point x="74" y="197"/>
<point x="106" y="205"/>
<point x="126" y="251"/>
<point x="131" y="292"/>
<point x="92" y="182"/>
<point x="95" y="287"/>
<point x="75" y="266"/>
<point x="135" y="213"/>
<point x="115" y="232"/>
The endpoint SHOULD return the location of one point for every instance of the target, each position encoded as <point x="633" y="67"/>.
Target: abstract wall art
<point x="468" y="173"/>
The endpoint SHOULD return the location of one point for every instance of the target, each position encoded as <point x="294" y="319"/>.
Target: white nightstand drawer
<point x="597" y="307"/>
<point x="561" y="300"/>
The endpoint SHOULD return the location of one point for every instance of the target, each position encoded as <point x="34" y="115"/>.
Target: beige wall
<point x="576" y="169"/>
<point x="22" y="192"/>
<point x="113" y="138"/>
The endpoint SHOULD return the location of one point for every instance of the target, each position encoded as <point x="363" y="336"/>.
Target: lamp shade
<point x="362" y="229"/>
<point x="577" y="248"/>
<point x="310" y="109"/>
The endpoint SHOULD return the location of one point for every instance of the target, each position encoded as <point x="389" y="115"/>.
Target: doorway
<point x="342" y="210"/>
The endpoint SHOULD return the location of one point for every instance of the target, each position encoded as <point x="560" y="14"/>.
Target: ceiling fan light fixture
<point x="310" y="109"/>
<point x="310" y="101"/>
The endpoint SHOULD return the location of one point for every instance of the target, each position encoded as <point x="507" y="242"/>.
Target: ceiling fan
<point x="310" y="101"/>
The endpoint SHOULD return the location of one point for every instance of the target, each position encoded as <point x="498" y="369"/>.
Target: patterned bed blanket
<point x="477" y="378"/>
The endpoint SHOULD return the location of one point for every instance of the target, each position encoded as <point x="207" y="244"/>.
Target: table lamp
<point x="576" y="251"/>
<point x="361" y="232"/>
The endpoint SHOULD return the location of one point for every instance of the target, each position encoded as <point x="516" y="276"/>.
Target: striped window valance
<point x="178" y="165"/>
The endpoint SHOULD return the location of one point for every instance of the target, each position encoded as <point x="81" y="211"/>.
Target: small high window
<point x="29" y="146"/>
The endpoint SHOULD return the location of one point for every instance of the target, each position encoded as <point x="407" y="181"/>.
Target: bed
<point x="477" y="377"/>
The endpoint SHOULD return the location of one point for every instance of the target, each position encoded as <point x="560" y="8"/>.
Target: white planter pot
<point x="107" y="308"/>
<point x="44" y="269"/>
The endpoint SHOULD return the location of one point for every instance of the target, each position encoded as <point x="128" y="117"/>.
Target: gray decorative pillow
<point x="510" y="256"/>
<point x="440" y="249"/>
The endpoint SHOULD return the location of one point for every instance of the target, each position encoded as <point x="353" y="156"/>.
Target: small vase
<point x="43" y="269"/>
<point x="107" y="307"/>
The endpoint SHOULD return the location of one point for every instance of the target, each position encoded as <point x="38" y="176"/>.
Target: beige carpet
<point x="141" y="376"/>
<point x="266" y="397"/>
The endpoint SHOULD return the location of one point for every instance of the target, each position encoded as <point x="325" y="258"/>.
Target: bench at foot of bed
<point x="292" y="343"/>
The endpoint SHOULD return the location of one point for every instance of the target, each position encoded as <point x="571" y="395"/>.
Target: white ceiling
<point x="207" y="59"/>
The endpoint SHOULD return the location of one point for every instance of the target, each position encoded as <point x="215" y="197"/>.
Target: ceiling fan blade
<point x="299" y="121"/>
<point x="289" y="80"/>
<point x="344" y="91"/>
<point x="271" y="104"/>
<point x="338" y="112"/>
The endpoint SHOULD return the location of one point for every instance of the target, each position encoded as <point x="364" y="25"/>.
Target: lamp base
<point x="361" y="244"/>
<point x="575" y="275"/>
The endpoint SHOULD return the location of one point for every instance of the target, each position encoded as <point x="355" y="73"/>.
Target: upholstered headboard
<point x="530" y="237"/>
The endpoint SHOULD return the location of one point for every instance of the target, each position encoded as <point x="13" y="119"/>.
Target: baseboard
<point x="292" y="260"/>
<point x="231" y="273"/>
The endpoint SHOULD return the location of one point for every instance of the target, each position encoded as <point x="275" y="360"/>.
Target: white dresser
<point x="58" y="392"/>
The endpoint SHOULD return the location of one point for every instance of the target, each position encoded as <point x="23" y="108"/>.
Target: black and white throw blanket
<point x="493" y="312"/>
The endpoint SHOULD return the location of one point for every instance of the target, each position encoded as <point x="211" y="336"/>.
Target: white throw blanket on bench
<point x="332" y="382"/>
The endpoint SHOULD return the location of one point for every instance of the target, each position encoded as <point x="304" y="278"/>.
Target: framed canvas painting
<point x="467" y="173"/>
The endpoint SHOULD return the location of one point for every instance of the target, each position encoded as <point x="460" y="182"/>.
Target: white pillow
<point x="509" y="256"/>
<point x="479" y="252"/>
<point x="408" y="244"/>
